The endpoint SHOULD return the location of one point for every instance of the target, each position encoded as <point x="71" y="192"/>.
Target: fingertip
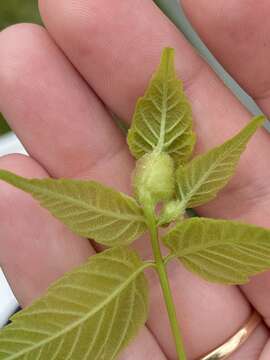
<point x="23" y="165"/>
<point x="21" y="56"/>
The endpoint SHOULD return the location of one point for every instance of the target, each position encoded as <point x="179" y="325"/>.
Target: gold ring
<point x="230" y="346"/>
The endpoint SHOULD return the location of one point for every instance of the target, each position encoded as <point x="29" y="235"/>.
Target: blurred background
<point x="12" y="12"/>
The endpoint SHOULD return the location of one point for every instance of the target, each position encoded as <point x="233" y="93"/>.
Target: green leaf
<point x="91" y="313"/>
<point x="200" y="180"/>
<point x="86" y="207"/>
<point x="162" y="121"/>
<point x="227" y="252"/>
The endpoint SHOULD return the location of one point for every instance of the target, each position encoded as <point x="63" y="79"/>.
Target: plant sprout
<point x="94" y="311"/>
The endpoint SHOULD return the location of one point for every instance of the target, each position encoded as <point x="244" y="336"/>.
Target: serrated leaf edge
<point x="88" y="315"/>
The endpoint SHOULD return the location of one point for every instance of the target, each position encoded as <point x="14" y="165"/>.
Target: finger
<point x="205" y="341"/>
<point x="266" y="352"/>
<point x="36" y="249"/>
<point x="237" y="35"/>
<point x="58" y="118"/>
<point x="144" y="346"/>
<point x="248" y="62"/>
<point x="242" y="196"/>
<point x="252" y="349"/>
<point x="223" y="116"/>
<point x="54" y="250"/>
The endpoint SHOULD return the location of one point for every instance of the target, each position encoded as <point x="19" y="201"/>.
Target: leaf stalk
<point x="165" y="285"/>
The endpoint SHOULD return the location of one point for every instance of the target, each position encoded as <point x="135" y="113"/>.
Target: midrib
<point x="87" y="206"/>
<point x="84" y="318"/>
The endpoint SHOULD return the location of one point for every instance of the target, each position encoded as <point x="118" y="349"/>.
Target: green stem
<point x="164" y="281"/>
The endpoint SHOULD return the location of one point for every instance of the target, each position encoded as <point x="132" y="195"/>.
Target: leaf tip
<point x="251" y="128"/>
<point x="168" y="51"/>
<point x="167" y="57"/>
<point x="259" y="120"/>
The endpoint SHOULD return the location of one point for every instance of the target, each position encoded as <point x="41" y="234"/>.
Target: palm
<point x="53" y="107"/>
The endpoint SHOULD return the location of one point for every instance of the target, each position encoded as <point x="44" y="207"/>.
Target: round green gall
<point x="154" y="178"/>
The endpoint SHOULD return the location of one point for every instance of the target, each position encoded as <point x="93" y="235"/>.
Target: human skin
<point x="56" y="86"/>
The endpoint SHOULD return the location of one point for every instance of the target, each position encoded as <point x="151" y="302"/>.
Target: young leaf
<point x="162" y="121"/>
<point x="86" y="207"/>
<point x="91" y="313"/>
<point x="227" y="252"/>
<point x="200" y="180"/>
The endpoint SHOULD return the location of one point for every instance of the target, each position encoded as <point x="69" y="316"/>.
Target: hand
<point x="56" y="87"/>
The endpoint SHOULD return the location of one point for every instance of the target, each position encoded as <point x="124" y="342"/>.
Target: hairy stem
<point x="164" y="282"/>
